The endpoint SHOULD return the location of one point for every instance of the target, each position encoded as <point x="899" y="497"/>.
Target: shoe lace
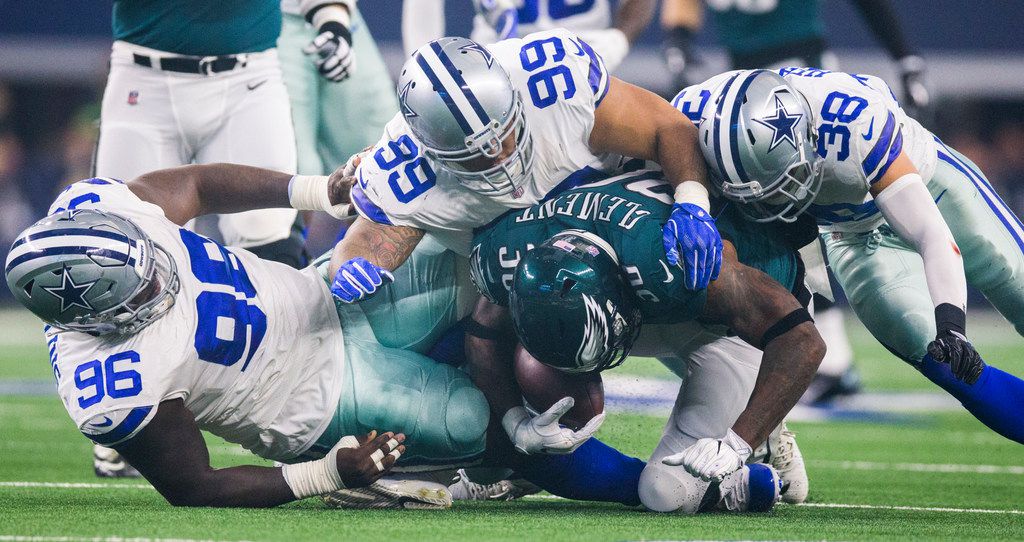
<point x="783" y="456"/>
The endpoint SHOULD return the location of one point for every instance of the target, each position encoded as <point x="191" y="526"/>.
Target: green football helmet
<point x="91" y="271"/>
<point x="572" y="306"/>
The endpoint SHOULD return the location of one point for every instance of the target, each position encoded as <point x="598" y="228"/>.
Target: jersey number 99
<point x="543" y="84"/>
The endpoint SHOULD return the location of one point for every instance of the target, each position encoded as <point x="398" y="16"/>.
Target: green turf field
<point x="923" y="476"/>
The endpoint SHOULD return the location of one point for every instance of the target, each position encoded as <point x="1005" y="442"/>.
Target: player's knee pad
<point x="453" y="415"/>
<point x="665" y="488"/>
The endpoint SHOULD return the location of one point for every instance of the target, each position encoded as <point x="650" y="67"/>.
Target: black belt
<point x="202" y="65"/>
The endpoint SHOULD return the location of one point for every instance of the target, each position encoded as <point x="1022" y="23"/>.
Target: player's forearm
<point x="787" y="368"/>
<point x="382" y="245"/>
<point x="678" y="152"/>
<point x="490" y="348"/>
<point x="881" y="18"/>
<point x="233" y="487"/>
<point x="633" y="17"/>
<point x="190" y="191"/>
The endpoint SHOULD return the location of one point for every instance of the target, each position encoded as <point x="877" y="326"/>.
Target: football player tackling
<point x="895" y="208"/>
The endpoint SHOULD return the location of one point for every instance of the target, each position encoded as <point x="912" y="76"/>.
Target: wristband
<point x="311" y="193"/>
<point x="332" y="13"/>
<point x="318" y="477"/>
<point x="695" y="193"/>
<point x="513" y="419"/>
<point x="949" y="317"/>
<point x="737" y="443"/>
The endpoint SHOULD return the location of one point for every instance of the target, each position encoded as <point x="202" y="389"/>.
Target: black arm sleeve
<point x="881" y="18"/>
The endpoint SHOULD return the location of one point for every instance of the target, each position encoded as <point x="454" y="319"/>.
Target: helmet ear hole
<point x="28" y="286"/>
<point x="567" y="285"/>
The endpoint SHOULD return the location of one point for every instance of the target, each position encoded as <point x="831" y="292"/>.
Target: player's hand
<point x="501" y="15"/>
<point x="335" y="59"/>
<point x="363" y="463"/>
<point x="915" y="93"/>
<point x="693" y="243"/>
<point x="952" y="347"/>
<point x="542" y="434"/>
<point x="358" y="279"/>
<point x="712" y="459"/>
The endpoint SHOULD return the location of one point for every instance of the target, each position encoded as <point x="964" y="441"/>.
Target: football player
<point x="423" y="21"/>
<point x="578" y="300"/>
<point x="486" y="129"/>
<point x="895" y="206"/>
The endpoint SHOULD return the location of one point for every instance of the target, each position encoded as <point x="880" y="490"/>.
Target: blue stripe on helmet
<point x="718" y="124"/>
<point x="65" y="251"/>
<point x="459" y="117"/>
<point x="734" y="136"/>
<point x="874" y="157"/>
<point x="123" y="429"/>
<point x="459" y="80"/>
<point x="71" y="231"/>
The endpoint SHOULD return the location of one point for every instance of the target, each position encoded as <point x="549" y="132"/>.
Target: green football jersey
<point x="199" y="27"/>
<point x="750" y="27"/>
<point x="628" y="212"/>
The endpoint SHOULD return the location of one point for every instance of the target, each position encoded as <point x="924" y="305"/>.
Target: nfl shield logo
<point x="133" y="97"/>
<point x="517" y="193"/>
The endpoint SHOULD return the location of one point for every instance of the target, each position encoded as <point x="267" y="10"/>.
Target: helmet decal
<point x="595" y="334"/>
<point x="452" y="88"/>
<point x="70" y="293"/>
<point x="782" y="124"/>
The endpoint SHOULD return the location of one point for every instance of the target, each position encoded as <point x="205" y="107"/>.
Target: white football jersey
<point x="859" y="129"/>
<point x="541" y="15"/>
<point x="253" y="347"/>
<point x="399" y="185"/>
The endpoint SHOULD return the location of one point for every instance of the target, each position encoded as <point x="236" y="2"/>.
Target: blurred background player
<point x="200" y="82"/>
<point x="423" y="21"/>
<point x="776" y="34"/>
<point x="336" y="110"/>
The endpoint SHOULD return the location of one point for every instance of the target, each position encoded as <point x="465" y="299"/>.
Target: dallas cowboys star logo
<point x="480" y="49"/>
<point x="403" y="102"/>
<point x="71" y="293"/>
<point x="783" y="125"/>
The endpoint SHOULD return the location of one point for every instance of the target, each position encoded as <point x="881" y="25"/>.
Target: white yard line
<point x="916" y="467"/>
<point x="75" y="485"/>
<point x="18" y="538"/>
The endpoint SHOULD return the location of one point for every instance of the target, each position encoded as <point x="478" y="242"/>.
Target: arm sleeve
<point x="309" y="7"/>
<point x="909" y="209"/>
<point x="881" y="18"/>
<point x="422" y="22"/>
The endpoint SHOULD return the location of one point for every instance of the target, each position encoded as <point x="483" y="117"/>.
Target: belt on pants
<point x="202" y="65"/>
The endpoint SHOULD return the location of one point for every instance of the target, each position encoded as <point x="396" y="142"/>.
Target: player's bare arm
<point x="385" y="246"/>
<point x="635" y="122"/>
<point x="190" y="191"/>
<point x="760" y="311"/>
<point x="171" y="453"/>
<point x="633" y="16"/>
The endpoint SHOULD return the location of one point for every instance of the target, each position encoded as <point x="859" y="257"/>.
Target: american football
<point x="493" y="270"/>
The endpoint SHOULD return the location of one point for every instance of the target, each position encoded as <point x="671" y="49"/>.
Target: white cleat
<point x="464" y="489"/>
<point x="753" y="488"/>
<point x="107" y="463"/>
<point x="392" y="494"/>
<point x="784" y="455"/>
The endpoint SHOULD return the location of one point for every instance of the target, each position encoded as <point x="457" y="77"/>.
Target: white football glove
<point x="335" y="59"/>
<point x="542" y="434"/>
<point x="610" y="43"/>
<point x="712" y="459"/>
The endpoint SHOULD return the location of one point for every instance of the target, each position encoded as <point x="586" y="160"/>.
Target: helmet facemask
<point x="786" y="197"/>
<point x="504" y="177"/>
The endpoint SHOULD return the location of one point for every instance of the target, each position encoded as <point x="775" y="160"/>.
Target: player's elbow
<point x="811" y="345"/>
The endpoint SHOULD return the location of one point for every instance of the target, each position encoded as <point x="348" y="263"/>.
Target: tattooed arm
<point x="382" y="245"/>
<point x="763" y="313"/>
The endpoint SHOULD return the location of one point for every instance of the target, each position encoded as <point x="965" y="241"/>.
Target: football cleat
<point x="753" y="488"/>
<point x="107" y="463"/>
<point x="464" y="489"/>
<point x="392" y="494"/>
<point x="784" y="455"/>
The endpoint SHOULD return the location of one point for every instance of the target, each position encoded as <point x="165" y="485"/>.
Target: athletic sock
<point x="996" y="399"/>
<point x="594" y="472"/>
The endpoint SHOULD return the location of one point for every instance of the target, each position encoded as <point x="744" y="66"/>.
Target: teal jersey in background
<point x="199" y="27"/>
<point x="629" y="213"/>
<point x="767" y="24"/>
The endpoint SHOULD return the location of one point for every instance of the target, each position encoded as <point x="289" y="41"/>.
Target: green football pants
<point x="884" y="279"/>
<point x="333" y="121"/>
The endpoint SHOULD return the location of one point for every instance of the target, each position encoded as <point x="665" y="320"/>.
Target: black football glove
<point x="951" y="345"/>
<point x="332" y="51"/>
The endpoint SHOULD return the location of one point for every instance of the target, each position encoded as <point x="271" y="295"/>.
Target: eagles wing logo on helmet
<point x="595" y="334"/>
<point x="783" y="125"/>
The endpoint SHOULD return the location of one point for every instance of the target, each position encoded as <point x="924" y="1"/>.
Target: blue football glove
<point x="692" y="242"/>
<point x="358" y="279"/>
<point x="501" y="15"/>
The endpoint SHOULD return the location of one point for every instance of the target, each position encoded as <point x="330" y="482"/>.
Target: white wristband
<point x="512" y="420"/>
<point x="317" y="477"/>
<point x="695" y="193"/>
<point x="310" y="193"/>
<point x="332" y="13"/>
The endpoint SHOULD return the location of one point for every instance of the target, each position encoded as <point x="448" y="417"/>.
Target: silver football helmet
<point x="461" y="106"/>
<point x="757" y="140"/>
<point x="91" y="271"/>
